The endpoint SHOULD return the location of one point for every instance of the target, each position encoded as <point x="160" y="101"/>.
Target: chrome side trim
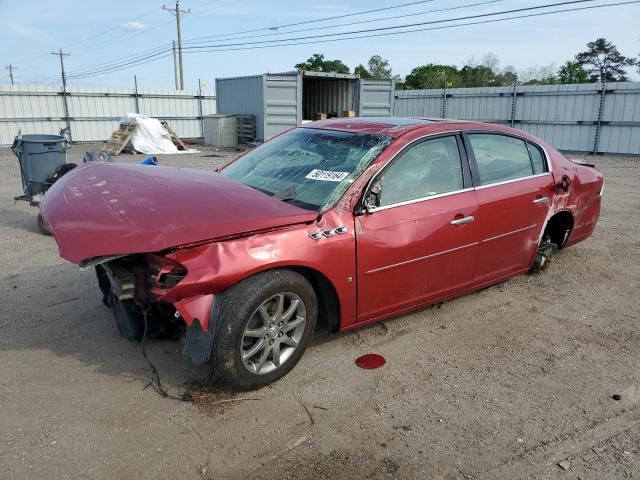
<point x="521" y="137"/>
<point x="456" y="132"/>
<point x="504" y="182"/>
<point x="414" y="260"/>
<point x="509" y="233"/>
<point x="421" y="199"/>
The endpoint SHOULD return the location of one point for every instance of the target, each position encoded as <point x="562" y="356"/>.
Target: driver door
<point x="418" y="244"/>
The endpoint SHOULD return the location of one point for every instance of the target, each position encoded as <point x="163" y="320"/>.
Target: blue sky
<point x="97" y="32"/>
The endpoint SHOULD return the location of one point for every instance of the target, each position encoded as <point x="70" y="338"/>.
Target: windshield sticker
<point x="326" y="176"/>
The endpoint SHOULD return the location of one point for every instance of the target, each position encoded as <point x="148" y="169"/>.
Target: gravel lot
<point x="505" y="383"/>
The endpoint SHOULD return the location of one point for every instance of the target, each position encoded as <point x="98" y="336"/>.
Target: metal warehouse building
<point x="283" y="100"/>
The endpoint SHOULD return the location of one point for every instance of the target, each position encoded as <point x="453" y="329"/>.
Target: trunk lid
<point x="105" y="209"/>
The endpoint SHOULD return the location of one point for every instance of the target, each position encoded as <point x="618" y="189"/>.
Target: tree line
<point x="600" y="62"/>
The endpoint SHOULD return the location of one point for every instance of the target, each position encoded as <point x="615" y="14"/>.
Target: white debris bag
<point x="151" y="137"/>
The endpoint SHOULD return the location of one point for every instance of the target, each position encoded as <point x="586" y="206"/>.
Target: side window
<point x="537" y="159"/>
<point x="425" y="169"/>
<point x="500" y="157"/>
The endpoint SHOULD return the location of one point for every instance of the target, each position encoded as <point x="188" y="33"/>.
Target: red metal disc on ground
<point x="370" y="361"/>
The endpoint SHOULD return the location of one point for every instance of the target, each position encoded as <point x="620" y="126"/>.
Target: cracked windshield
<point x="310" y="168"/>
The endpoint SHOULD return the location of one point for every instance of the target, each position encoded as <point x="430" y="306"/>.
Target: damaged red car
<point x="343" y="221"/>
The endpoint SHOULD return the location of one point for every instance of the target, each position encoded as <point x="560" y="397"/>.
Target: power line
<point x="386" y="34"/>
<point x="294" y="42"/>
<point x="353" y="23"/>
<point x="123" y="66"/>
<point x="97" y="68"/>
<point x="378" y="29"/>
<point x="117" y="61"/>
<point x="306" y="22"/>
<point x="142" y="56"/>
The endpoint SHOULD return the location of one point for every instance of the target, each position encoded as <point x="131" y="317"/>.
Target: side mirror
<point x="372" y="200"/>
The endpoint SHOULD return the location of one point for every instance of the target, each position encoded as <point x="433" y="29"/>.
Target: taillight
<point x="163" y="273"/>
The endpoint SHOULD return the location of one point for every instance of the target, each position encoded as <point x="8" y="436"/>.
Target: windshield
<point x="310" y="168"/>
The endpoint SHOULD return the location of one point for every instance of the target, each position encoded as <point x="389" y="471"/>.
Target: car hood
<point x="105" y="209"/>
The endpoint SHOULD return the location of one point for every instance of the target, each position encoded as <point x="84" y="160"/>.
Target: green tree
<point x="507" y="77"/>
<point x="572" y="72"/>
<point x="379" y="68"/>
<point x="432" y="76"/>
<point x="362" y="71"/>
<point x="604" y="62"/>
<point x="539" y="75"/>
<point x="477" y="76"/>
<point x="317" y="63"/>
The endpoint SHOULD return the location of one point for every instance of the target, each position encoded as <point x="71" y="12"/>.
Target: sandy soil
<point x="505" y="383"/>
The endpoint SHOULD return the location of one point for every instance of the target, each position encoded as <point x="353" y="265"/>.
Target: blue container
<point x="150" y="160"/>
<point x="38" y="155"/>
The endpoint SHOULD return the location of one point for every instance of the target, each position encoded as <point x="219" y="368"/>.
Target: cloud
<point x="134" y="26"/>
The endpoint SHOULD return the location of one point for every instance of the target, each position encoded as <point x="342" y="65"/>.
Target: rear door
<point x="419" y="244"/>
<point x="514" y="190"/>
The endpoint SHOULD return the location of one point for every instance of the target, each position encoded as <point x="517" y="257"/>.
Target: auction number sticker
<point x="327" y="176"/>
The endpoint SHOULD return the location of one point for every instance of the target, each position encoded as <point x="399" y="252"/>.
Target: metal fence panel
<point x="94" y="113"/>
<point x="581" y="117"/>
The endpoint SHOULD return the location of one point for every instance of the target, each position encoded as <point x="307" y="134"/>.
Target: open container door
<point x="376" y="97"/>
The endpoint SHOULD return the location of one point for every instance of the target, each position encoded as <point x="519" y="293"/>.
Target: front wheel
<point x="262" y="327"/>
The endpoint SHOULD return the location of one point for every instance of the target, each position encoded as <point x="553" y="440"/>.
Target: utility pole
<point x="176" y="12"/>
<point x="175" y="65"/>
<point x="11" y="68"/>
<point x="64" y="89"/>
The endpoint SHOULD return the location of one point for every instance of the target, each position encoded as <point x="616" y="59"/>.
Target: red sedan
<point x="344" y="221"/>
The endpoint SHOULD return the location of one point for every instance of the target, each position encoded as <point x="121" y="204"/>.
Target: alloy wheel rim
<point x="273" y="333"/>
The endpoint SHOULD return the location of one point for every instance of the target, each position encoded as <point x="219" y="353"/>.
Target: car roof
<point x="391" y="126"/>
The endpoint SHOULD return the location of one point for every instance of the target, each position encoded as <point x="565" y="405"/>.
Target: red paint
<point x="370" y="361"/>
<point x="196" y="308"/>
<point x="223" y="232"/>
<point x="115" y="208"/>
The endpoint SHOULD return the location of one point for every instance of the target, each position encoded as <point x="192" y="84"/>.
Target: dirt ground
<point x="511" y="382"/>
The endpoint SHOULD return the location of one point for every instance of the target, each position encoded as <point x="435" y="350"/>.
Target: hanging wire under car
<point x="154" y="382"/>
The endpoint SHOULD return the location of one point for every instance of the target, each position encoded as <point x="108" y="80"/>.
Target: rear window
<point x="537" y="159"/>
<point x="500" y="157"/>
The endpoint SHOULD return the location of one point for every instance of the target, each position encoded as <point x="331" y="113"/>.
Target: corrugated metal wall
<point x="95" y="112"/>
<point x="581" y="117"/>
<point x="242" y="95"/>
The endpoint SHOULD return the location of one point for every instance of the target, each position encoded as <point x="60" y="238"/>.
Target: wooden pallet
<point x="120" y="138"/>
<point x="174" y="136"/>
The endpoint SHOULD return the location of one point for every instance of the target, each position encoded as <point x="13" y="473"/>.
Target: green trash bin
<point x="38" y="155"/>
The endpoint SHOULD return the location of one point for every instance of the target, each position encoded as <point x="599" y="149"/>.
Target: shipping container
<point x="283" y="100"/>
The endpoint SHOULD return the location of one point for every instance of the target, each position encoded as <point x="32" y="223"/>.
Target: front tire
<point x="262" y="327"/>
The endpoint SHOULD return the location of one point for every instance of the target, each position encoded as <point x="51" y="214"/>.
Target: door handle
<point x="541" y="200"/>
<point x="463" y="220"/>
